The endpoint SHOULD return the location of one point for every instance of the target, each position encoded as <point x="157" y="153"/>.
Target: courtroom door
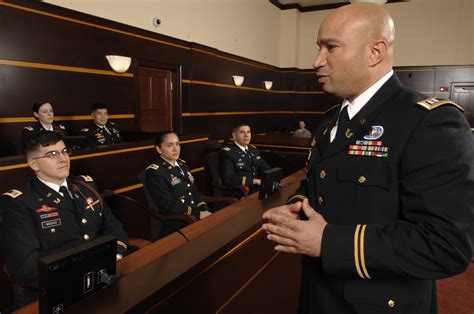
<point x="155" y="99"/>
<point x="463" y="95"/>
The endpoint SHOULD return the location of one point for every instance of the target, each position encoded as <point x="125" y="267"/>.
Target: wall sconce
<point x="119" y="64"/>
<point x="268" y="84"/>
<point x="238" y="80"/>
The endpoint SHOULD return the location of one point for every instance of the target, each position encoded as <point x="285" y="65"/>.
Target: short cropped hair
<point x="99" y="106"/>
<point x="38" y="139"/>
<point x="160" y="136"/>
<point x="238" y="125"/>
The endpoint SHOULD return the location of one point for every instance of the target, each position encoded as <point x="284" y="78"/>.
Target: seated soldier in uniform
<point x="302" y="131"/>
<point x="51" y="212"/>
<point x="101" y="131"/>
<point x="44" y="114"/>
<point x="240" y="163"/>
<point x="171" y="185"/>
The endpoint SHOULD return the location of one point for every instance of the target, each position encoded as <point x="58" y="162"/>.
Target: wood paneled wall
<point x="55" y="54"/>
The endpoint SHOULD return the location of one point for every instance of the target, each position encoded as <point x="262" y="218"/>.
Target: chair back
<point x="155" y="224"/>
<point x="212" y="162"/>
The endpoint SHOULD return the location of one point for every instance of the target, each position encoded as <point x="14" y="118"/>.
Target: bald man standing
<point x="387" y="206"/>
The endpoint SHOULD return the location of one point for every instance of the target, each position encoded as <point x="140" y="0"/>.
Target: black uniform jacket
<point x="173" y="192"/>
<point x="27" y="130"/>
<point x="99" y="136"/>
<point x="237" y="168"/>
<point x="398" y="195"/>
<point x="38" y="221"/>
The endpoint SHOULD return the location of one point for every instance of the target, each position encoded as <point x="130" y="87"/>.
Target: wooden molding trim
<point x="113" y="152"/>
<point x="65" y="118"/>
<point x="237" y="113"/>
<point x="282" y="146"/>
<point x="261" y="89"/>
<point x="55" y="67"/>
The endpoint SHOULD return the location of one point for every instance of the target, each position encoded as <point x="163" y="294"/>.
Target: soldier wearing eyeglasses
<point x="51" y="212"/>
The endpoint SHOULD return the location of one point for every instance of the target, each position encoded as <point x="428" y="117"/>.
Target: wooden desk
<point x="228" y="266"/>
<point x="283" y="150"/>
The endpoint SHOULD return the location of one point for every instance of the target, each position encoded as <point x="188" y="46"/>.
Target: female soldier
<point x="170" y="184"/>
<point x="43" y="113"/>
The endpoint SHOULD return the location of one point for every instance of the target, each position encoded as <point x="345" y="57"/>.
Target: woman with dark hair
<point x="170" y="184"/>
<point x="44" y="114"/>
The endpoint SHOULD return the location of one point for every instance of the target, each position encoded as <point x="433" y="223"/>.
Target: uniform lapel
<point x="360" y="124"/>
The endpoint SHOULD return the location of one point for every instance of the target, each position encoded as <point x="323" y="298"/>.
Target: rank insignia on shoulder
<point x="153" y="166"/>
<point x="87" y="178"/>
<point x="252" y="146"/>
<point x="29" y="128"/>
<point x="62" y="126"/>
<point x="85" y="130"/>
<point x="13" y="193"/>
<point x="183" y="161"/>
<point x="433" y="103"/>
<point x="226" y="149"/>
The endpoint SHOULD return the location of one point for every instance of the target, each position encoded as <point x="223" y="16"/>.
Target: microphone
<point x="109" y="193"/>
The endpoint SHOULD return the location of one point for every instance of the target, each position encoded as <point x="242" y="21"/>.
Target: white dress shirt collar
<point x="54" y="186"/>
<point x="244" y="148"/>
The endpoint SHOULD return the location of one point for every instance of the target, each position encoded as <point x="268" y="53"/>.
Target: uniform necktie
<point x="65" y="192"/>
<point x="179" y="169"/>
<point x="341" y="124"/>
<point x="247" y="152"/>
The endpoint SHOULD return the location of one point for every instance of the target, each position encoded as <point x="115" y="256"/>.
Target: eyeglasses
<point x="55" y="154"/>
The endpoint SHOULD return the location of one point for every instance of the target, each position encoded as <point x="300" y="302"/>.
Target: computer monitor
<point x="270" y="182"/>
<point x="70" y="275"/>
<point x="76" y="142"/>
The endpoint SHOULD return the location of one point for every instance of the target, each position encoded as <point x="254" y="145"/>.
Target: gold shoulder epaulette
<point x="183" y="161"/>
<point x="113" y="123"/>
<point x="85" y="130"/>
<point x="29" y="128"/>
<point x="252" y="146"/>
<point x="62" y="127"/>
<point x="13" y="193"/>
<point x="87" y="178"/>
<point x="332" y="108"/>
<point x="153" y="166"/>
<point x="433" y="103"/>
<point x="226" y="149"/>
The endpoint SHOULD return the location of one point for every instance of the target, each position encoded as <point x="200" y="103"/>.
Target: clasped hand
<point x="292" y="235"/>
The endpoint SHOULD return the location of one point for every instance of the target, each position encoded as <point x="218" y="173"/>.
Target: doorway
<point x="159" y="97"/>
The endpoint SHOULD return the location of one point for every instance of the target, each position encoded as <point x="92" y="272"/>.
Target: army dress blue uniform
<point x="240" y="168"/>
<point x="38" y="221"/>
<point x="97" y="135"/>
<point x="397" y="191"/>
<point x="173" y="192"/>
<point x="28" y="130"/>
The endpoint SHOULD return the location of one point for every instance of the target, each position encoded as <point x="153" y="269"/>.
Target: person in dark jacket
<point x="44" y="114"/>
<point x="240" y="163"/>
<point x="101" y="131"/>
<point x="52" y="212"/>
<point x="170" y="184"/>
<point x="387" y="207"/>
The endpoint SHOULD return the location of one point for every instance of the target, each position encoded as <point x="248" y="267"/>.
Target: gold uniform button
<point x="320" y="200"/>
<point x="189" y="185"/>
<point x="189" y="193"/>
<point x="362" y="179"/>
<point x="192" y="202"/>
<point x="86" y="237"/>
<point x="391" y="303"/>
<point x="53" y="230"/>
<point x="322" y="174"/>
<point x="84" y="221"/>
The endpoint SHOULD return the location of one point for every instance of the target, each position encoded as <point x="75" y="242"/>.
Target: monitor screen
<point x="76" y="142"/>
<point x="270" y="182"/>
<point x="70" y="275"/>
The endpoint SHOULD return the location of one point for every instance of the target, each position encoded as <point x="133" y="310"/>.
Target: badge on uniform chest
<point x="45" y="209"/>
<point x="369" y="146"/>
<point x="175" y="180"/>
<point x="90" y="203"/>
